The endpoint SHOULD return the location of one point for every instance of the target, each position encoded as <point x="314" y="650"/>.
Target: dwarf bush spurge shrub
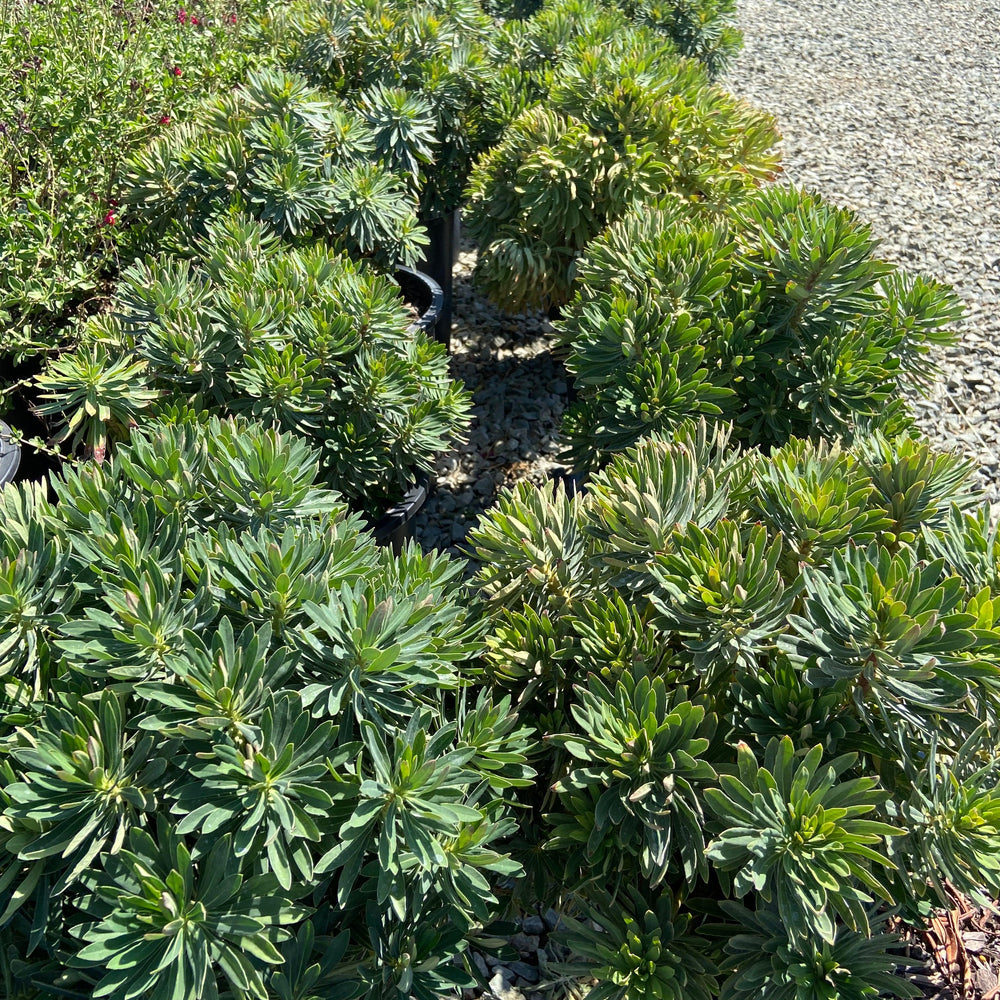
<point x="281" y="151"/>
<point x="776" y="696"/>
<point x="778" y="314"/>
<point x="303" y="340"/>
<point x="237" y="756"/>
<point x="702" y="29"/>
<point x="622" y="125"/>
<point x="414" y="71"/>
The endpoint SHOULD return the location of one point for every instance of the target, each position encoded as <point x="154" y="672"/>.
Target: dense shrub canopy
<point x="286" y="154"/>
<point x="303" y="340"/>
<point x="235" y="739"/>
<point x="83" y="89"/>
<point x="416" y="73"/>
<point x="778" y="314"/>
<point x="732" y="709"/>
<point x="615" y="126"/>
<point x="766" y="679"/>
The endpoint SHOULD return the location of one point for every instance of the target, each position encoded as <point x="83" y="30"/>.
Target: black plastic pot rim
<point x="10" y="455"/>
<point x="401" y="513"/>
<point x="430" y="315"/>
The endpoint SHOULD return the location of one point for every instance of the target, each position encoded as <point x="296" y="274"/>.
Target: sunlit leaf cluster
<point x="768" y="691"/>
<point x="301" y="339"/>
<point x="239" y="754"/>
<point x="778" y="315"/>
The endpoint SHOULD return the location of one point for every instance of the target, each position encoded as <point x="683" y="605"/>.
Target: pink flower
<point x="194" y="21"/>
<point x="109" y="219"/>
<point x="232" y="18"/>
<point x="182" y="16"/>
<point x="177" y="71"/>
<point x="164" y="119"/>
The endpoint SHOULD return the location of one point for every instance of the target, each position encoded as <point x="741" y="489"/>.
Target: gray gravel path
<point x="519" y="391"/>
<point x="893" y="109"/>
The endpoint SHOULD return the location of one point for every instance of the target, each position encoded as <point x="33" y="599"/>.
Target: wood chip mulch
<point x="961" y="949"/>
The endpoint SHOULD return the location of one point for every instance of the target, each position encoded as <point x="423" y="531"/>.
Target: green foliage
<point x="702" y="29"/>
<point x="777" y="315"/>
<point x="766" y="678"/>
<point x="640" y="749"/>
<point x="774" y="967"/>
<point x="618" y="121"/>
<point x="85" y="86"/>
<point x="188" y="804"/>
<point x="415" y="71"/>
<point x="301" y="339"/>
<point x="286" y="154"/>
<point x="642" y="951"/>
<point x="951" y="813"/>
<point x="179" y="922"/>
<point x="792" y="834"/>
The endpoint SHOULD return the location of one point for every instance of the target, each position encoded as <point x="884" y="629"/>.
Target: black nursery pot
<point x="33" y="465"/>
<point x="395" y="527"/>
<point x="10" y="455"/>
<point x="439" y="259"/>
<point x="423" y="293"/>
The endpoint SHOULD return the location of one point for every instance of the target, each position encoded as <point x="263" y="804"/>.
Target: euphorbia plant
<point x="621" y="125"/>
<point x="238" y="756"/>
<point x="414" y="71"/>
<point x="301" y="163"/>
<point x="304" y="340"/>
<point x="768" y="703"/>
<point x="778" y="314"/>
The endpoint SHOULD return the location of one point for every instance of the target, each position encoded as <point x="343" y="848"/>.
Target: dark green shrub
<point x="302" y="340"/>
<point x="238" y="756"/>
<point x="764" y="679"/>
<point x="703" y="29"/>
<point x="621" y="125"/>
<point x="700" y="29"/>
<point x="778" y="315"/>
<point x="414" y="71"/>
<point x="85" y="85"/>
<point x="284" y="153"/>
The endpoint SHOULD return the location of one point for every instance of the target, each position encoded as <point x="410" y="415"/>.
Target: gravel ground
<point x="892" y="108"/>
<point x="519" y="389"/>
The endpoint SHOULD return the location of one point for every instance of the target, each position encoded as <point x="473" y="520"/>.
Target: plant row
<point x="730" y="713"/>
<point x="364" y="123"/>
<point x="732" y="710"/>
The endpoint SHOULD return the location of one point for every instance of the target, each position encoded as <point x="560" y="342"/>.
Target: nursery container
<point x="439" y="262"/>
<point x="425" y="295"/>
<point x="10" y="455"/>
<point x="395" y="527"/>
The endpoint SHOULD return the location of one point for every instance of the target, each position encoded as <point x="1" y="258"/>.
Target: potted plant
<point x="762" y="684"/>
<point x="224" y="707"/>
<point x="10" y="454"/>
<point x="284" y="153"/>
<point x="778" y="315"/>
<point x="301" y="338"/>
<point x="625" y="125"/>
<point x="416" y="73"/>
